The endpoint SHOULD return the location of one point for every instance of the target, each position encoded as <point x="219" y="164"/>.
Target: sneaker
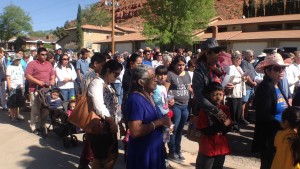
<point x="36" y="131"/>
<point x="20" y="117"/>
<point x="236" y="128"/>
<point x="180" y="156"/>
<point x="244" y="122"/>
<point x="174" y="157"/>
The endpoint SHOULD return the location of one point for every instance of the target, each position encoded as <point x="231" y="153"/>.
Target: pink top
<point x="41" y="71"/>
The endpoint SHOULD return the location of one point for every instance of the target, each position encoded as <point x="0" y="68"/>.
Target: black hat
<point x="211" y="43"/>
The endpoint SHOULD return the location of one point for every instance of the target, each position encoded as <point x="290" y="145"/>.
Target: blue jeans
<point x="119" y="92"/>
<point x="67" y="93"/>
<point x="180" y="115"/>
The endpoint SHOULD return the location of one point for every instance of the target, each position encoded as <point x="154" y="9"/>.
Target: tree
<point x="79" y="32"/>
<point x="280" y="6"/>
<point x="245" y="9"/>
<point x="172" y="22"/>
<point x="252" y="8"/>
<point x="95" y="15"/>
<point x="261" y="9"/>
<point x="60" y="32"/>
<point x="268" y="8"/>
<point x="14" y="21"/>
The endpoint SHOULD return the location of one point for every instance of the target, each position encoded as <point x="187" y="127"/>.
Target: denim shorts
<point x="249" y="95"/>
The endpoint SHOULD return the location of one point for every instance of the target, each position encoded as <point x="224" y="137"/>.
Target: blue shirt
<point x="160" y="98"/>
<point x="83" y="66"/>
<point x="281" y="104"/>
<point x="146" y="62"/>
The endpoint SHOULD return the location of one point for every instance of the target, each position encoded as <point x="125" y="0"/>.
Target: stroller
<point x="58" y="120"/>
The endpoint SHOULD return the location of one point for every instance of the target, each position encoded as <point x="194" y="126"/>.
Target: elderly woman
<point x="145" y="147"/>
<point x="269" y="104"/>
<point x="239" y="89"/>
<point x="105" y="102"/>
<point x="167" y="59"/>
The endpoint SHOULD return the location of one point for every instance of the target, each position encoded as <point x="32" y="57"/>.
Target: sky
<point x="48" y="14"/>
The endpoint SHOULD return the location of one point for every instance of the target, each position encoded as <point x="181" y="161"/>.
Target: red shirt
<point x="41" y="71"/>
<point x="215" y="144"/>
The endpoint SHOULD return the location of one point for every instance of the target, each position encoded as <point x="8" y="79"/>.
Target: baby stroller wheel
<point x="67" y="142"/>
<point x="84" y="137"/>
<point x="44" y="132"/>
<point x="74" y="140"/>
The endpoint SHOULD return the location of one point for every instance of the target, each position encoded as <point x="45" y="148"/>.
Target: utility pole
<point x="113" y="29"/>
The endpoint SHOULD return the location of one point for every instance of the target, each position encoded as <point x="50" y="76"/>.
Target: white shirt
<point x="95" y="91"/>
<point x="16" y="74"/>
<point x="63" y="73"/>
<point x="293" y="73"/>
<point x="120" y="77"/>
<point x="239" y="86"/>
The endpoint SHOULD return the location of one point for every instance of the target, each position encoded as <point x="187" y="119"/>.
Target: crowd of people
<point x="148" y="96"/>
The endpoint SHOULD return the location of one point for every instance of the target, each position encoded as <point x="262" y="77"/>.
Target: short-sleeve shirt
<point x="16" y="74"/>
<point x="41" y="71"/>
<point x="281" y="104"/>
<point x="83" y="66"/>
<point x="179" y="87"/>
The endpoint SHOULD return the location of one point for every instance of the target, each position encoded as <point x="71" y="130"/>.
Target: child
<point x="287" y="141"/>
<point x="71" y="107"/>
<point x="160" y="97"/>
<point x="213" y="144"/>
<point x="15" y="86"/>
<point x="54" y="100"/>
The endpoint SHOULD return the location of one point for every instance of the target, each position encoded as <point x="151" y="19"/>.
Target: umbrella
<point x="225" y="59"/>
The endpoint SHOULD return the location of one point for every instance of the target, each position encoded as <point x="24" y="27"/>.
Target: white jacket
<point x="63" y="73"/>
<point x="239" y="89"/>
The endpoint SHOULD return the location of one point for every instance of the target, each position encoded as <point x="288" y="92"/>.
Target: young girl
<point x="71" y="107"/>
<point x="287" y="141"/>
<point x="213" y="144"/>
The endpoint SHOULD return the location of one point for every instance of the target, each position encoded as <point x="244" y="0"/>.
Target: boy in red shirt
<point x="213" y="143"/>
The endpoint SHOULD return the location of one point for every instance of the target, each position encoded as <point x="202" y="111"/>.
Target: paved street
<point x="21" y="149"/>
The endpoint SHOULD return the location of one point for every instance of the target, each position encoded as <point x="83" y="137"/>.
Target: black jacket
<point x="266" y="125"/>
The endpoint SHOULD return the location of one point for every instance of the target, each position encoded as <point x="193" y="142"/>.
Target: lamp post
<point x="112" y="3"/>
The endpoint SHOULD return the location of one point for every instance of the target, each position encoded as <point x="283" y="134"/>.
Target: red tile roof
<point x="93" y="27"/>
<point x="282" y="34"/>
<point x="265" y="19"/>
<point x="220" y="36"/>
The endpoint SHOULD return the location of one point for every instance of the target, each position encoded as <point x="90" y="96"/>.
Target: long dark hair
<point x="111" y="65"/>
<point x="176" y="60"/>
<point x="60" y="62"/>
<point x="292" y="115"/>
<point x="132" y="58"/>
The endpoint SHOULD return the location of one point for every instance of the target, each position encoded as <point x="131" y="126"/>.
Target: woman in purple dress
<point x="145" y="121"/>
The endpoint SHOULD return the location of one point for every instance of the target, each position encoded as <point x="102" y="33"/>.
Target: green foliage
<point x="60" y="32"/>
<point x="14" y="21"/>
<point x="261" y="9"/>
<point x="252" y="8"/>
<point x="79" y="32"/>
<point x="172" y="22"/>
<point x="95" y="15"/>
<point x="245" y="9"/>
<point x="39" y="33"/>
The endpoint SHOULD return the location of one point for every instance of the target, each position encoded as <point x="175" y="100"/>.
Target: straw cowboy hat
<point x="273" y="59"/>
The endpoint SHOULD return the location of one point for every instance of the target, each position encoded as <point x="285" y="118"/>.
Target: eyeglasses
<point x="278" y="68"/>
<point x="151" y="78"/>
<point x="43" y="54"/>
<point x="65" y="59"/>
<point x="116" y="74"/>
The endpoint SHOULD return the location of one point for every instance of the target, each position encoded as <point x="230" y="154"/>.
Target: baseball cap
<point x="211" y="43"/>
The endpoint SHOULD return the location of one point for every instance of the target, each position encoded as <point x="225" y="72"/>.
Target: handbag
<point x="84" y="116"/>
<point x="192" y="133"/>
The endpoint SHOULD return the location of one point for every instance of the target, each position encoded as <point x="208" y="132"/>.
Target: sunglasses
<point x="65" y="59"/>
<point x="278" y="68"/>
<point x="43" y="54"/>
<point x="116" y="74"/>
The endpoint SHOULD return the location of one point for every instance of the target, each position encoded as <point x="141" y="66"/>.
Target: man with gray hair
<point x="248" y="70"/>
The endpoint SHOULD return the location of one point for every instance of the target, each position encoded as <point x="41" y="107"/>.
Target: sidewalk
<point x="21" y="149"/>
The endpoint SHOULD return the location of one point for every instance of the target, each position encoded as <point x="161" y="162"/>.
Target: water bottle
<point x="166" y="134"/>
